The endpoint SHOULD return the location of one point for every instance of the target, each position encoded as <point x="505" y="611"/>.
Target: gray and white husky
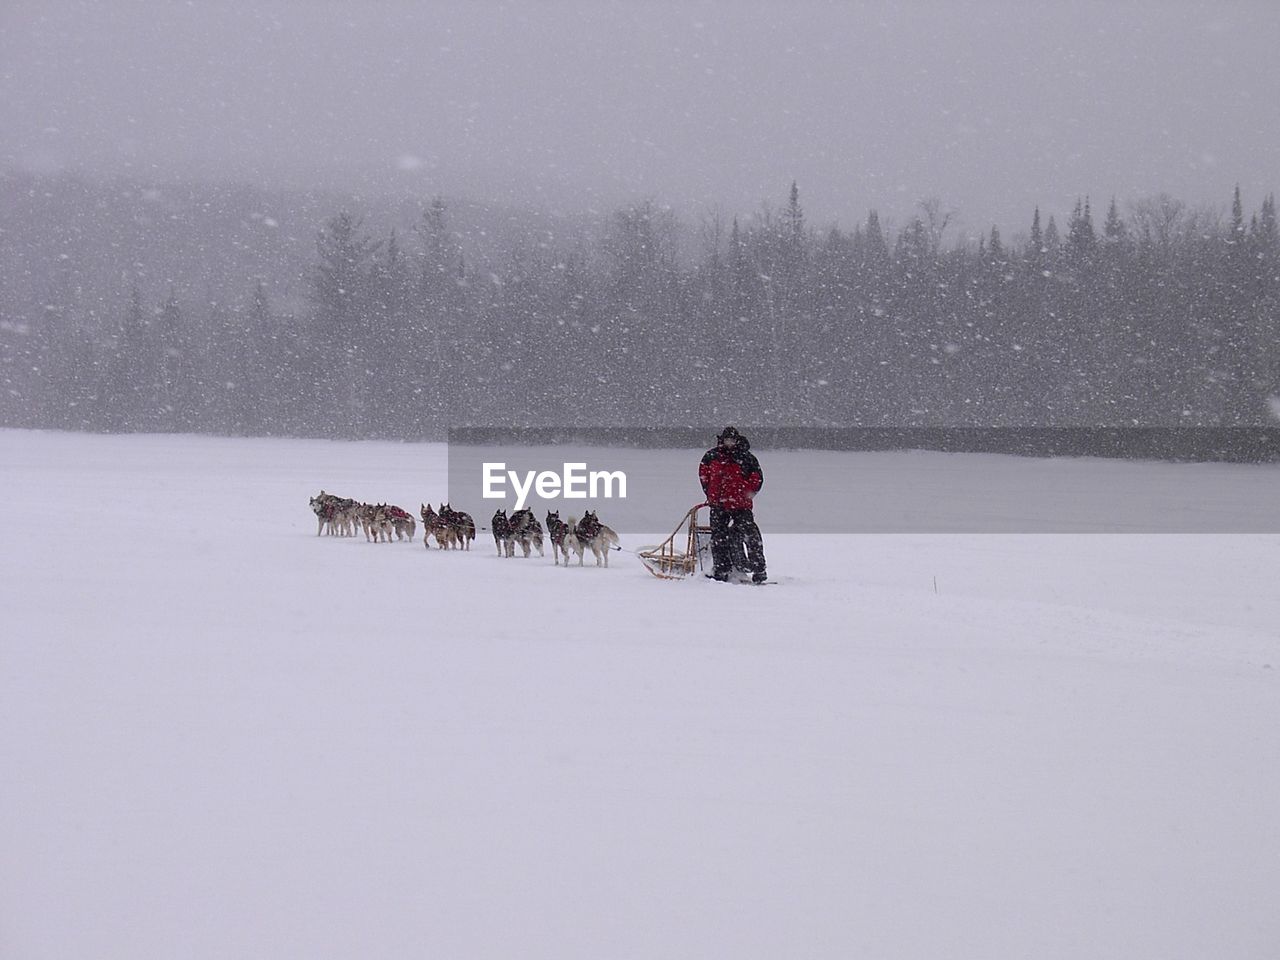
<point x="337" y="515"/>
<point x="383" y="520"/>
<point x="401" y="522"/>
<point x="376" y="523"/>
<point x="589" y="533"/>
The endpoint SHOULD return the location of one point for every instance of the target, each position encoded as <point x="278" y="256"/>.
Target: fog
<point x="993" y="107"/>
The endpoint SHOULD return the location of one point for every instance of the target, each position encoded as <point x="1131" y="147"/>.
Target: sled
<point x="683" y="553"/>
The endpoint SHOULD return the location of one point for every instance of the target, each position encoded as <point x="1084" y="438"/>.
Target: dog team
<point x="577" y="536"/>
<point x="454" y="530"/>
<point x="451" y="528"/>
<point x="342" y="517"/>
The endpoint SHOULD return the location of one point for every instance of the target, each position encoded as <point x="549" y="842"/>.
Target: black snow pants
<point x="736" y="543"/>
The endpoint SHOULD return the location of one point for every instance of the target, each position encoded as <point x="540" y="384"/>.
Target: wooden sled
<point x="681" y="554"/>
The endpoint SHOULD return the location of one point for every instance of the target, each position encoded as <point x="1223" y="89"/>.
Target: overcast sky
<point x="992" y="106"/>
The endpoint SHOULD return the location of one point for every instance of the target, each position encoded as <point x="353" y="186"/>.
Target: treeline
<point x="1157" y="315"/>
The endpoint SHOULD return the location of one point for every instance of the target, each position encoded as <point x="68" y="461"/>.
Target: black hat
<point x="729" y="432"/>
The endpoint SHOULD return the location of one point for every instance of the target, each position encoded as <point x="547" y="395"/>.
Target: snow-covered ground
<point x="224" y="737"/>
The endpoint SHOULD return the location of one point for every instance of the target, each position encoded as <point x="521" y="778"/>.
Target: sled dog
<point x="501" y="527"/>
<point x="590" y="533"/>
<point x="556" y="530"/>
<point x="401" y="522"/>
<point x="526" y="531"/>
<point x="320" y="507"/>
<point x="434" y="525"/>
<point x="373" y="523"/>
<point x="336" y="515"/>
<point x="385" y="522"/>
<point x="463" y="527"/>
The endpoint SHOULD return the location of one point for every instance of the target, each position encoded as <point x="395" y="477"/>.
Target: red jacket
<point x="731" y="477"/>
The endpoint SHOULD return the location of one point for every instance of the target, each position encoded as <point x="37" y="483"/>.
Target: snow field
<point x="226" y="737"/>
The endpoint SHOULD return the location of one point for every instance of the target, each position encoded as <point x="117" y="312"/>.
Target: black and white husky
<point x="500" y="525"/>
<point x="526" y="531"/>
<point x="434" y="525"/>
<point x="460" y="522"/>
<point x="556" y="530"/>
<point x="589" y="533"/>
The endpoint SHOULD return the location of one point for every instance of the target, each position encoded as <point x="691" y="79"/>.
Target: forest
<point x="1148" y="315"/>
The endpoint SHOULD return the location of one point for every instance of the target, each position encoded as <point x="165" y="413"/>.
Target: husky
<point x="385" y="522"/>
<point x="347" y="518"/>
<point x="526" y="531"/>
<point x="556" y="530"/>
<point x="434" y="525"/>
<point x="400" y="521"/>
<point x="321" y="508"/>
<point x="501" y="527"/>
<point x="337" y="515"/>
<point x="463" y="527"/>
<point x="376" y="522"/>
<point x="589" y="532"/>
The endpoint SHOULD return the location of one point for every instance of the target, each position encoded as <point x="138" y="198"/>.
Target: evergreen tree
<point x="262" y="372"/>
<point x="1268" y="235"/>
<point x="1052" y="242"/>
<point x="1114" y="230"/>
<point x="128" y="393"/>
<point x="995" y="249"/>
<point x="441" y="363"/>
<point x="389" y="351"/>
<point x="339" y="290"/>
<point x="1241" y="349"/>
<point x="1081" y="238"/>
<point x="792" y="257"/>
<point x="175" y="388"/>
<point x="877" y="249"/>
<point x="225" y="382"/>
<point x="1237" y="237"/>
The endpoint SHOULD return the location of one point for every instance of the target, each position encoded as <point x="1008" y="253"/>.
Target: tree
<point x="1242" y="351"/>
<point x="128" y="394"/>
<point x="1114" y="230"/>
<point x="874" y="244"/>
<point x="1237" y="237"/>
<point x="339" y="291"/>
<point x="936" y="220"/>
<point x="439" y="325"/>
<point x="262" y="372"/>
<point x="1081" y="238"/>
<point x="1268" y="236"/>
<point x="995" y="249"/>
<point x="1052" y="242"/>
<point x="792" y="257"/>
<point x="389" y="345"/>
<point x="176" y="389"/>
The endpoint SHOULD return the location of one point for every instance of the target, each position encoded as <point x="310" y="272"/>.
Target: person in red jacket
<point x="731" y="477"/>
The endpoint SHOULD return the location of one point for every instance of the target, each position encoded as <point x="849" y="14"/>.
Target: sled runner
<point x="686" y="551"/>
